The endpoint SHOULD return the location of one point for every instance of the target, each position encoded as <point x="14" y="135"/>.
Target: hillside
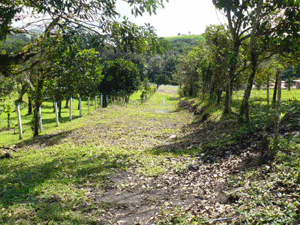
<point x="185" y="43"/>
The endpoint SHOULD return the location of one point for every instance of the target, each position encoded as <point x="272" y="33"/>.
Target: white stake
<point x="20" y="123"/>
<point x="40" y="119"/>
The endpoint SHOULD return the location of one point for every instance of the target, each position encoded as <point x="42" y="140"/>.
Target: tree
<point x="64" y="70"/>
<point x="243" y="18"/>
<point x="75" y="73"/>
<point x="187" y="73"/>
<point x="121" y="78"/>
<point x="79" y="15"/>
<point x="215" y="71"/>
<point x="274" y="23"/>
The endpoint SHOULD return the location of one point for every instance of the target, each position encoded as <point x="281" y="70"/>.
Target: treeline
<point x="71" y="65"/>
<point x="260" y="45"/>
<point x="76" y="65"/>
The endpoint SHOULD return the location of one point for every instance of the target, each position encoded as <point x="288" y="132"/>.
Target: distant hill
<point x="184" y="43"/>
<point x="194" y="37"/>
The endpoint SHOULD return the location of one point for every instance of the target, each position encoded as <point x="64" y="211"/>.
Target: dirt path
<point x="195" y="189"/>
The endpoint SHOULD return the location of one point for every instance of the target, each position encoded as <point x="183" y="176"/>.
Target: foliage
<point x="8" y="109"/>
<point x="79" y="16"/>
<point x="181" y="44"/>
<point x="121" y="78"/>
<point x="206" y="67"/>
<point x="6" y="87"/>
<point x="187" y="74"/>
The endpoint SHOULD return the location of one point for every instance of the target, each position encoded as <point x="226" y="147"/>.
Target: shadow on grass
<point x="44" y="140"/>
<point x="53" y="120"/>
<point x="45" y="191"/>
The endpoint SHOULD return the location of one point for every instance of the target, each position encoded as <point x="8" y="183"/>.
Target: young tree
<point x="219" y="47"/>
<point x="187" y="73"/>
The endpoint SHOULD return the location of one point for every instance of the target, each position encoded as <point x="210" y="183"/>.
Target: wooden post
<point x="56" y="113"/>
<point x="20" y="123"/>
<point x="80" y="107"/>
<point x="71" y="110"/>
<point x="101" y="100"/>
<point x="106" y="100"/>
<point x="89" y="103"/>
<point x="40" y="119"/>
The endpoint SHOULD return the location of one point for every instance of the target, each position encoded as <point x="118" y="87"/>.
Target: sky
<point x="178" y="16"/>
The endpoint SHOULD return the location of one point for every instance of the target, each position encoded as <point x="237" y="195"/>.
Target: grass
<point x="57" y="177"/>
<point x="49" y="178"/>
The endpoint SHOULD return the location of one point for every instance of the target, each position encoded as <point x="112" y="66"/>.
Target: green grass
<point x="52" y="179"/>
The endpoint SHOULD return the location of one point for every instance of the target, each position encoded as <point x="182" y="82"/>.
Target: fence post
<point x="101" y="100"/>
<point x="56" y="113"/>
<point x="106" y="100"/>
<point x="40" y="119"/>
<point x="96" y="100"/>
<point x="20" y="123"/>
<point x="71" y="110"/>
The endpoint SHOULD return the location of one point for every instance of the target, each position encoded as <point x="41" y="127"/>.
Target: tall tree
<point x="242" y="19"/>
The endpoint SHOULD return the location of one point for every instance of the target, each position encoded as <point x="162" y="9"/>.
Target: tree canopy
<point x="97" y="17"/>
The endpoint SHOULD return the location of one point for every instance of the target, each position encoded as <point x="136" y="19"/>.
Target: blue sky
<point x="178" y="16"/>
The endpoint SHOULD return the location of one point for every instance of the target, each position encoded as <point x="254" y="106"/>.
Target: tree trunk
<point x="78" y="106"/>
<point x="29" y="102"/>
<point x="67" y="103"/>
<point x="8" y="120"/>
<point x="275" y="89"/>
<point x="22" y="92"/>
<point x="219" y="97"/>
<point x="289" y="83"/>
<point x="59" y="108"/>
<point x="30" y="95"/>
<point x="268" y="94"/>
<point x="245" y="107"/>
<point x="227" y="104"/>
<point x="278" y="112"/>
<point x="232" y="74"/>
<point x="37" y="105"/>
